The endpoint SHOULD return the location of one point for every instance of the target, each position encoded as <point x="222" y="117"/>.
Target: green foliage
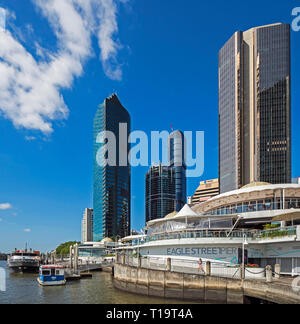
<point x="278" y="233"/>
<point x="136" y="255"/>
<point x="271" y="226"/>
<point x="64" y="248"/>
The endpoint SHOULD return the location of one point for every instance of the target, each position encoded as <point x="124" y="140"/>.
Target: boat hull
<point x="51" y="283"/>
<point x="23" y="266"/>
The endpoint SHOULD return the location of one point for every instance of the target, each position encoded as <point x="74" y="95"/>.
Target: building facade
<point x="87" y="226"/>
<point x="255" y="107"/>
<point x="176" y="144"/>
<point x="160" y="192"/>
<point x="112" y="172"/>
<point x="207" y="190"/>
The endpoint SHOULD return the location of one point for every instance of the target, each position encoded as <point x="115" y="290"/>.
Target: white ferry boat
<point x="260" y="222"/>
<point x="24" y="261"/>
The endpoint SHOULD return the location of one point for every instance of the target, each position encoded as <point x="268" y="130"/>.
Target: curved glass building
<point x="177" y="163"/>
<point x="112" y="183"/>
<point x="166" y="184"/>
<point x="160" y="192"/>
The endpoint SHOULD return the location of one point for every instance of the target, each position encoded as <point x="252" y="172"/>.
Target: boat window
<point x="57" y="272"/>
<point x="52" y="272"/>
<point x="46" y="272"/>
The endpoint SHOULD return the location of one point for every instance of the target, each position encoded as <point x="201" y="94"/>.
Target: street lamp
<point x="243" y="256"/>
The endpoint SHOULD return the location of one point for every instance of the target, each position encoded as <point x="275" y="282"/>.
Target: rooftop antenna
<point x="172" y="128"/>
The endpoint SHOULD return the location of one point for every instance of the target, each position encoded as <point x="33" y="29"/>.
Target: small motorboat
<point x="51" y="275"/>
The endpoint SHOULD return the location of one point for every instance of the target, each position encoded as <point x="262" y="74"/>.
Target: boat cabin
<point x="51" y="275"/>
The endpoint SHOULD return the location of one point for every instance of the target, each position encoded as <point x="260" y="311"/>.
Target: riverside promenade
<point x="162" y="279"/>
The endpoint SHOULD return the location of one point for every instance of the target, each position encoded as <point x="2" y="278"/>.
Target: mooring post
<point x="71" y="257"/>
<point x="242" y="270"/>
<point x="76" y="258"/>
<point x="139" y="261"/>
<point x="208" y="268"/>
<point x="123" y="257"/>
<point x="277" y="271"/>
<point x="169" y="264"/>
<point x="269" y="276"/>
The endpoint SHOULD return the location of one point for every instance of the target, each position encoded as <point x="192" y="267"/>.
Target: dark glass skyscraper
<point x="176" y="155"/>
<point x="166" y="185"/>
<point x="160" y="192"/>
<point x="255" y="107"/>
<point x="112" y="185"/>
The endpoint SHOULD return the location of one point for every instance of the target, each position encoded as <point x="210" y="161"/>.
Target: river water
<point x="24" y="289"/>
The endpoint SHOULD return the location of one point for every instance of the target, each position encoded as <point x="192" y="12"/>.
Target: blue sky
<point x="161" y="59"/>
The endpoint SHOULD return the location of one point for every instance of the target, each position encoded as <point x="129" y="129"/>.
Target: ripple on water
<point x="24" y="289"/>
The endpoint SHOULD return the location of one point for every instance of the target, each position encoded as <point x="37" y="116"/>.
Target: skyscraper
<point x="160" y="192"/>
<point x="166" y="184"/>
<point x="255" y="107"/>
<point x="87" y="226"/>
<point x="112" y="182"/>
<point x="176" y="161"/>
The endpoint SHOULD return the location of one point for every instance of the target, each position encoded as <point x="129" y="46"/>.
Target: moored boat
<point x="51" y="275"/>
<point x="24" y="261"/>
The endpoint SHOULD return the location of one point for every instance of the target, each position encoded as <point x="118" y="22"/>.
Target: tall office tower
<point x="207" y="190"/>
<point x="255" y="107"/>
<point x="160" y="192"/>
<point x="112" y="181"/>
<point x="87" y="226"/>
<point x="177" y="162"/>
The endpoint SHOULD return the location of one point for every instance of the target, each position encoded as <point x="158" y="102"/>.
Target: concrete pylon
<point x="277" y="271"/>
<point x="76" y="258"/>
<point x="169" y="264"/>
<point x="269" y="276"/>
<point x="208" y="268"/>
<point x="71" y="257"/>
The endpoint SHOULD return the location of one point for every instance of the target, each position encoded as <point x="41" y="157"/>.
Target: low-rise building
<point x="206" y="190"/>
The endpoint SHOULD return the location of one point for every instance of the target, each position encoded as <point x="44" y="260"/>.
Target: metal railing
<point x="277" y="233"/>
<point x="193" y="266"/>
<point x="196" y="234"/>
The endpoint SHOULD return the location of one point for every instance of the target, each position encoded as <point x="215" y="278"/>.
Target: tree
<point x="64" y="248"/>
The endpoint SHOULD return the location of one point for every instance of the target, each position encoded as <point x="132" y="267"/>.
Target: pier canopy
<point x="187" y="219"/>
<point x="290" y="216"/>
<point x="255" y="197"/>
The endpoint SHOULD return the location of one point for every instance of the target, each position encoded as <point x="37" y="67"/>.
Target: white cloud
<point x="27" y="230"/>
<point x="30" y="138"/>
<point x="5" y="206"/>
<point x="30" y="88"/>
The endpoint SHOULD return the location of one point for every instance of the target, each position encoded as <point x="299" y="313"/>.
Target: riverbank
<point x="202" y="289"/>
